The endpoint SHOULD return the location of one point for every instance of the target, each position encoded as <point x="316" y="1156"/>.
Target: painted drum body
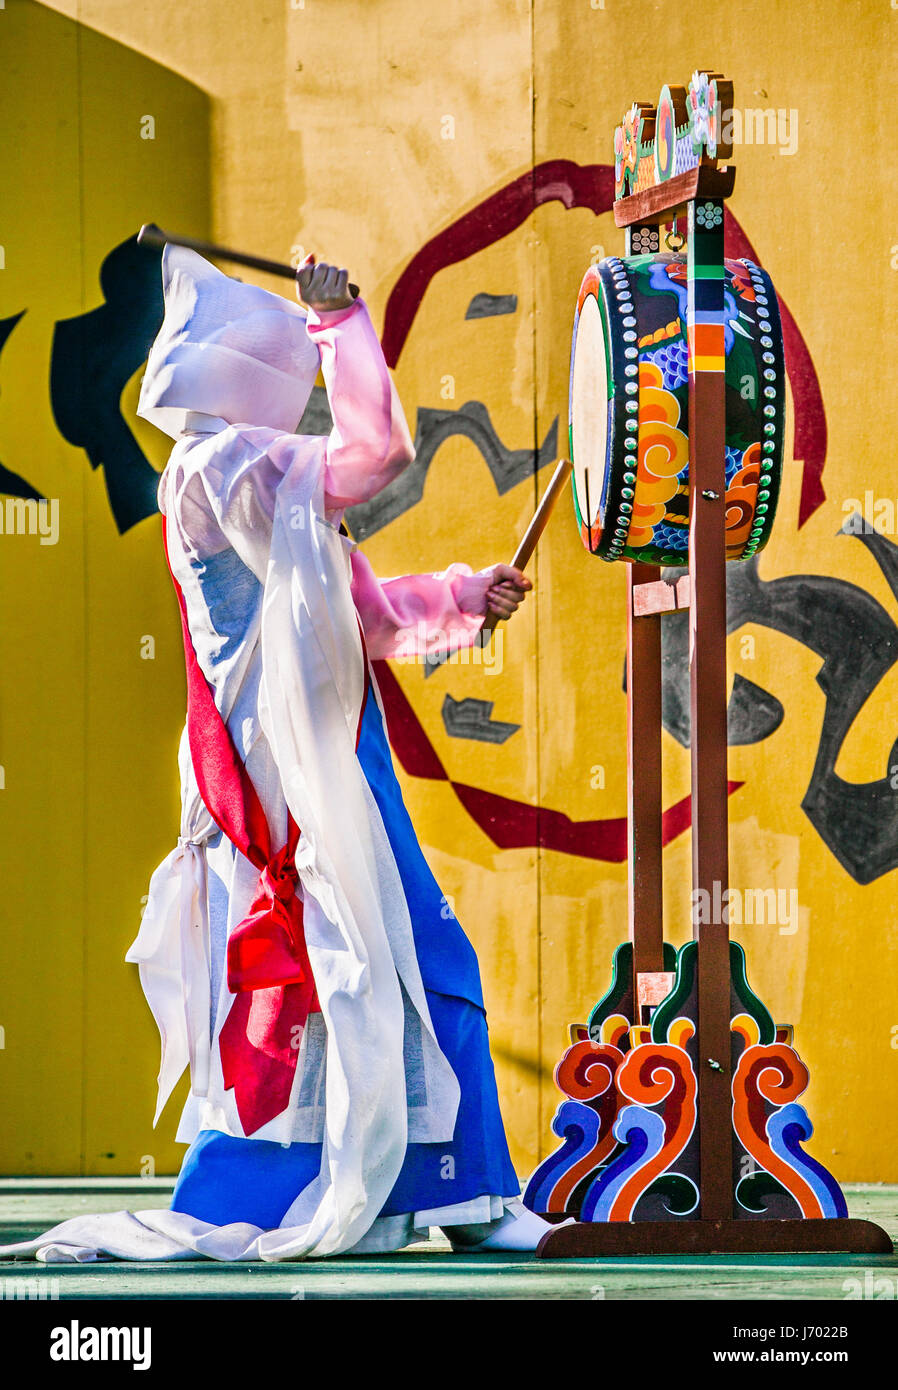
<point x="629" y="409"/>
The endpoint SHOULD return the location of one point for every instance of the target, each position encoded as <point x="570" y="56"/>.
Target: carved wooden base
<point x="591" y="1239"/>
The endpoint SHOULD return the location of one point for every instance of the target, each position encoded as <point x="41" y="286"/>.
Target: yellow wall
<point x="322" y="125"/>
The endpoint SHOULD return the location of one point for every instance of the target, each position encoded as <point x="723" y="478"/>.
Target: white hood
<point x="226" y="349"/>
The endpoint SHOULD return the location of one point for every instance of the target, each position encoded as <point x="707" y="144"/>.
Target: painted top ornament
<point x="686" y="128"/>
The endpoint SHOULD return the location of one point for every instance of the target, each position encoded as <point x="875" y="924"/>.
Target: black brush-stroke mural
<point x="471" y="718"/>
<point x="433" y="663"/>
<point x="7" y="326"/>
<point x="507" y="466"/>
<point x="12" y="484"/>
<point x="858" y="643"/>
<point x="753" y="714"/>
<point x="483" y="305"/>
<point x="433" y="427"/>
<point x="316" y="418"/>
<point x="94" y="356"/>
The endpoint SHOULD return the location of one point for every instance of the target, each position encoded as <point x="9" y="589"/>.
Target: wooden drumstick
<point x="532" y="535"/>
<point x="151" y="235"/>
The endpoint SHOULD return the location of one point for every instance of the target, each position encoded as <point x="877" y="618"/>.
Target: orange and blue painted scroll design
<point x="638" y="1159"/>
<point x="656" y="1078"/>
<point x="584" y="1121"/>
<point x="771" y="1126"/>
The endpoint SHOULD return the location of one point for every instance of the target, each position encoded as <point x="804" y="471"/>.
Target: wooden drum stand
<point x="681" y="1128"/>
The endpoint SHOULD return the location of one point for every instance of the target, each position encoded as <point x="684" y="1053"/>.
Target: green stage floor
<point x="427" y="1270"/>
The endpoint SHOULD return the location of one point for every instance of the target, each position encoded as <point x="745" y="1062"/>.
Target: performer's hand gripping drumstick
<point x="324" y="286"/>
<point x="506" y="597"/>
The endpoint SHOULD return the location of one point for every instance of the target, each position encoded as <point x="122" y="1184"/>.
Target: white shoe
<point x="517" y="1229"/>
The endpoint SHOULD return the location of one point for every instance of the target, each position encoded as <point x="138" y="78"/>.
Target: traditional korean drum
<point x="629" y="409"/>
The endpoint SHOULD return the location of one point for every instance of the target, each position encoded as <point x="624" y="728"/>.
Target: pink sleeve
<point x="419" y="614"/>
<point x="369" y="444"/>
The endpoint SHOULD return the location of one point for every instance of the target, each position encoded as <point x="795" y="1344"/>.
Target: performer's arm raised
<point x="368" y="447"/>
<point x="369" y="444"/>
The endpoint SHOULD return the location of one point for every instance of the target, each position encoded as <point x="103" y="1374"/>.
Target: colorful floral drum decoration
<point x="629" y="408"/>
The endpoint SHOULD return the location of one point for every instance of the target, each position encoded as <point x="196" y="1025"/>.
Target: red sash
<point x="267" y="961"/>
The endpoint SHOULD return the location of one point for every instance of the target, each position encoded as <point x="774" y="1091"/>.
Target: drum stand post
<point x="714" y="1226"/>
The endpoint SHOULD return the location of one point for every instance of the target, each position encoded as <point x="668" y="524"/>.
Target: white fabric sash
<point x="358" y="930"/>
<point x="171" y="949"/>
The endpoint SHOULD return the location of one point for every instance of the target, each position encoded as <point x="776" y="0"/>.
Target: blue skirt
<point x="224" y="1179"/>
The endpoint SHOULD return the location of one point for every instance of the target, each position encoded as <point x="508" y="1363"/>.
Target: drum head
<point x="589" y="408"/>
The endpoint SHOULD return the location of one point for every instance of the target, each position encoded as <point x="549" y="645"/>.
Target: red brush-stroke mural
<point x="592" y="186"/>
<point x="557" y="180"/>
<point x="512" y="824"/>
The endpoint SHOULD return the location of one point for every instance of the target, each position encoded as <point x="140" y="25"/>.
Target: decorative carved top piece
<point x="688" y="126"/>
